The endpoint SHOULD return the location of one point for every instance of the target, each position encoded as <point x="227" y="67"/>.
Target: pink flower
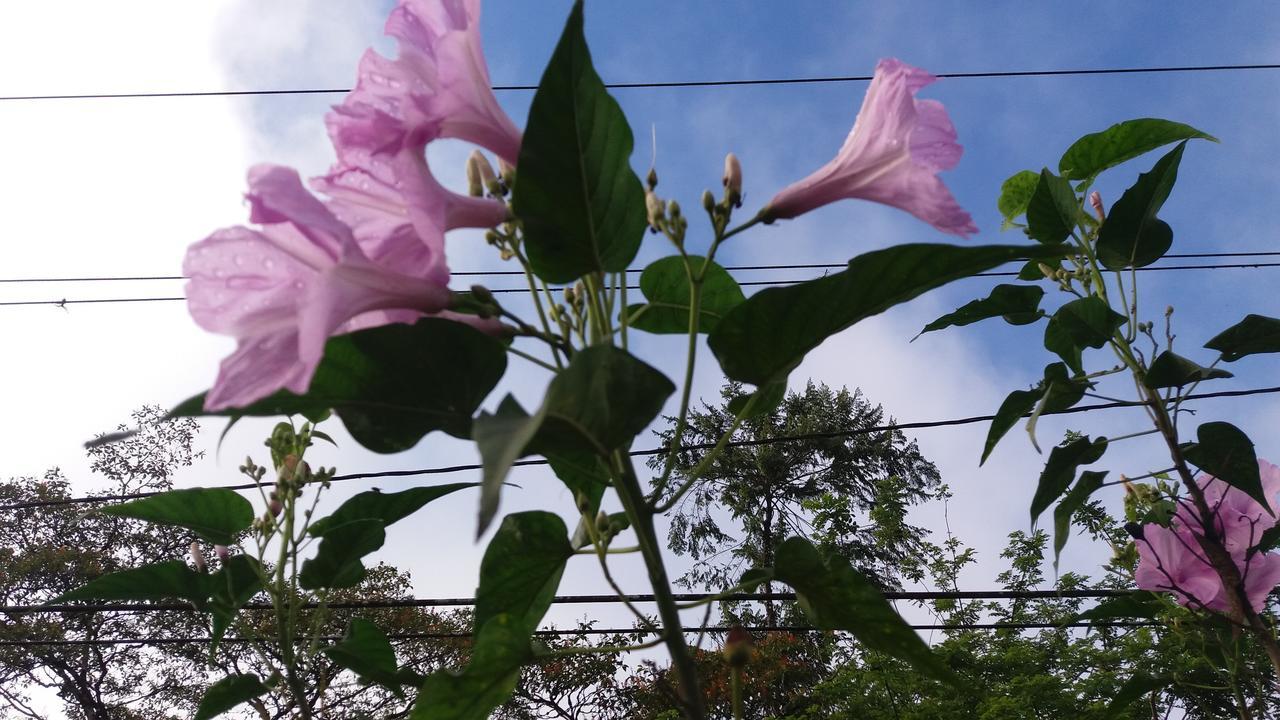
<point x="438" y="86"/>
<point x="1239" y="519"/>
<point x="893" y="155"/>
<point x="283" y="290"/>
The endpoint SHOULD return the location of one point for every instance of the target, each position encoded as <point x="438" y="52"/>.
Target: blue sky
<point x="121" y="187"/>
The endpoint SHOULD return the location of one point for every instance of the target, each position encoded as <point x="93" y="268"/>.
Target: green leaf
<point x="1089" y="482"/>
<point x="1172" y="370"/>
<point x="1052" y="210"/>
<point x="581" y="203"/>
<point x="1132" y="235"/>
<point x="837" y="597"/>
<point x="754" y="578"/>
<point x="213" y="514"/>
<point x="599" y="403"/>
<point x="337" y="562"/>
<point x="1017" y="304"/>
<point x="1225" y="452"/>
<point x="501" y="648"/>
<point x="1058" y="391"/>
<point x="1081" y="323"/>
<point x="1139" y="604"/>
<point x="233" y="585"/>
<point x="1098" y="151"/>
<point x="228" y="693"/>
<point x="1254" y="335"/>
<point x="766" y="397"/>
<point x="767" y="336"/>
<point x="521" y="569"/>
<point x="366" y="651"/>
<point x="159" y="581"/>
<point x="1060" y="470"/>
<point x="1268" y="541"/>
<point x="665" y="284"/>
<point x="1133" y="689"/>
<point x="391" y="385"/>
<point x="1015" y="195"/>
<point x="387" y="508"/>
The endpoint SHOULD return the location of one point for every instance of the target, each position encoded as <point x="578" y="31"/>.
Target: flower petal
<point x="260" y="366"/>
<point x="242" y="284"/>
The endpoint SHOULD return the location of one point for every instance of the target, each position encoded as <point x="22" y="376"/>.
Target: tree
<point x="848" y="488"/>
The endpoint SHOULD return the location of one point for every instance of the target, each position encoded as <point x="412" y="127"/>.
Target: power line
<point x="793" y="629"/>
<point x="908" y="595"/>
<point x="450" y="469"/>
<point x="749" y="283"/>
<point x="810" y="80"/>
<point x="497" y="273"/>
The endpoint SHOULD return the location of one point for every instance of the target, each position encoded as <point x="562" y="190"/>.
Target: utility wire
<point x="772" y="283"/>
<point x="688" y="83"/>
<point x="911" y="595"/>
<point x="450" y="469"/>
<point x="575" y="632"/>
<point x="497" y="273"/>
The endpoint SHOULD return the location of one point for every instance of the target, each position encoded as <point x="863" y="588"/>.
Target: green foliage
<point x="365" y="650"/>
<point x="216" y="515"/>
<point x="1057" y="391"/>
<point x="764" y="338"/>
<point x="1098" y="151"/>
<point x="1060" y="470"/>
<point x="1225" y="452"/>
<point x="391" y="385"/>
<point x="167" y="580"/>
<point x="1132" y="235"/>
<point x="1017" y="304"/>
<point x="1089" y="482"/>
<point x="229" y="693"/>
<point x="581" y="204"/>
<point x="336" y="563"/>
<point x="665" y="284"/>
<point x="521" y="569"/>
<point x="1254" y="335"/>
<point x="1081" y="323"/>
<point x="1172" y="370"/>
<point x="501" y="648"/>
<point x="1052" y="209"/>
<point x="837" y="597"/>
<point x="387" y="508"/>
<point x="1015" y="195"/>
<point x="598" y="404"/>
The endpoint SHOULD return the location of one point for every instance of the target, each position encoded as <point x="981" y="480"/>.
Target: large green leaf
<point x="1139" y="604"/>
<point x="366" y="651"/>
<point x="1015" y="195"/>
<point x="1172" y="370"/>
<point x="1098" y="151"/>
<point x="1225" y="452"/>
<point x="392" y="385"/>
<point x="233" y="585"/>
<point x="665" y="284"/>
<point x="1081" y="323"/>
<point x="1090" y="481"/>
<point x="599" y="403"/>
<point x="1254" y="335"/>
<point x="581" y="203"/>
<point x="765" y="337"/>
<point x="1052" y="210"/>
<point x="837" y="597"/>
<point x="1057" y="390"/>
<point x="229" y="693"/>
<point x="159" y="581"/>
<point x="501" y="648"/>
<point x="213" y="514"/>
<point x="388" y="508"/>
<point x="1132" y="235"/>
<point x="521" y="568"/>
<point x="1017" y="304"/>
<point x="337" y="561"/>
<point x="1134" y="688"/>
<point x="1060" y="470"/>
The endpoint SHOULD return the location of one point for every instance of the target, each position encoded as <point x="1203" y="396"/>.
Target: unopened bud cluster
<point x="482" y="180"/>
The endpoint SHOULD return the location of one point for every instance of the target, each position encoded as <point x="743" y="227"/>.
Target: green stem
<point x="736" y="679"/>
<point x="537" y="303"/>
<point x="633" y="502"/>
<point x="691" y="358"/>
<point x="748" y="224"/>
<point x="707" y="459"/>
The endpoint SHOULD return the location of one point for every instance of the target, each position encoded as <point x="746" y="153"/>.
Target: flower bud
<point x="708" y="201"/>
<point x="1095" y="199"/>
<point x="673" y="209"/>
<point x="274" y="507"/>
<point x="733" y="179"/>
<point x="197" y="557"/>
<point x="652" y="179"/>
<point x="507" y="172"/>
<point x="480" y="174"/>
<point x="737" y="647"/>
<point x="1050" y="273"/>
<point x="583" y="502"/>
<point x="222" y="552"/>
<point x="654" y="210"/>
<point x="482" y="294"/>
<point x="602" y="522"/>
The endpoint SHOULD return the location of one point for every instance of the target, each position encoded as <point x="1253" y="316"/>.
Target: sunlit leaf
<point x="1098" y="151"/>
<point x="665" y="284"/>
<point x="1015" y="194"/>
<point x="1132" y="235"/>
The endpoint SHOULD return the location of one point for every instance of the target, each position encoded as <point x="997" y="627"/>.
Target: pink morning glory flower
<point x="284" y="289"/>
<point x="1170" y="559"/>
<point x="893" y="155"/>
<point x="438" y="85"/>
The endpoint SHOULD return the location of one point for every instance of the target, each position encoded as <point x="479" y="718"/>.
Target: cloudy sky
<point x="120" y="187"/>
